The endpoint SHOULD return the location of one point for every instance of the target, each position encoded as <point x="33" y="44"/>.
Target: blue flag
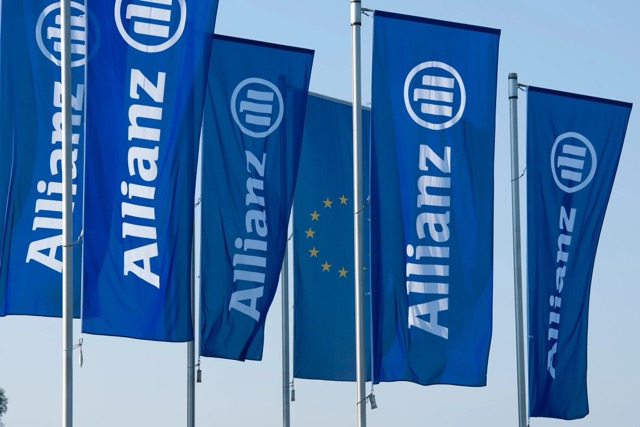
<point x="31" y="161"/>
<point x="144" y="110"/>
<point x="254" y="116"/>
<point x="573" y="147"/>
<point x="323" y="308"/>
<point x="433" y="131"/>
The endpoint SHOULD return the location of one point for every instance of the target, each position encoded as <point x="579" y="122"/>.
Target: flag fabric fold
<point x="573" y="148"/>
<point x="323" y="307"/>
<point x="146" y="82"/>
<point x="253" y="122"/>
<point x="433" y="133"/>
<point x="31" y="161"/>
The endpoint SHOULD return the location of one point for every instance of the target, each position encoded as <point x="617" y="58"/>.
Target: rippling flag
<point x="433" y="132"/>
<point x="573" y="148"/>
<point x="323" y="307"/>
<point x="31" y="161"/>
<point x="144" y="110"/>
<point x="253" y="122"/>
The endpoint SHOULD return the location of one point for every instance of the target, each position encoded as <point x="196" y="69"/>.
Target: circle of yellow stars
<point x="310" y="234"/>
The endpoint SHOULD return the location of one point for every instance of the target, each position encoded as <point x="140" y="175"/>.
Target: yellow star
<point x="327" y="203"/>
<point x="314" y="216"/>
<point x="314" y="252"/>
<point x="309" y="233"/>
<point x="343" y="272"/>
<point x="343" y="200"/>
<point x="326" y="266"/>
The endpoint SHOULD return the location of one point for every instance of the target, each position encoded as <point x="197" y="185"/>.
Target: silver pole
<point x="357" y="210"/>
<point x="517" y="257"/>
<point x="67" y="220"/>
<point x="191" y="346"/>
<point x="286" y="405"/>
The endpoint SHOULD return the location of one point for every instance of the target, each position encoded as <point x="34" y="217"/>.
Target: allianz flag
<point x="433" y="118"/>
<point x="573" y="147"/>
<point x="253" y="121"/>
<point x="323" y="307"/>
<point x="31" y="160"/>
<point x="144" y="109"/>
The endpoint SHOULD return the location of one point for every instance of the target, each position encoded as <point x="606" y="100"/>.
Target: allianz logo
<point x="257" y="107"/>
<point x="151" y="26"/>
<point x="434" y="95"/>
<point x="573" y="162"/>
<point x="49" y="34"/>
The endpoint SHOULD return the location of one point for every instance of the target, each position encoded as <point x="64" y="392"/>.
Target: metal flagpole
<point x="357" y="209"/>
<point x="67" y="220"/>
<point x="286" y="406"/>
<point x="191" y="345"/>
<point x="517" y="260"/>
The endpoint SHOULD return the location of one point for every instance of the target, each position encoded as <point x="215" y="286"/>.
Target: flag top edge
<point x="132" y="337"/>
<point x="340" y="101"/>
<point x="628" y="105"/>
<point x="438" y="22"/>
<point x="263" y="44"/>
<point x="41" y="316"/>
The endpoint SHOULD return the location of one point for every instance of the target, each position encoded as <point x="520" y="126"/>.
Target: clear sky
<point x="583" y="46"/>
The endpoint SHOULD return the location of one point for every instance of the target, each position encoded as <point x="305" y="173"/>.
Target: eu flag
<point x="573" y="147"/>
<point x="323" y="308"/>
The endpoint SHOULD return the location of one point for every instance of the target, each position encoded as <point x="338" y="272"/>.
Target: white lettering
<point x="566" y="222"/>
<point x="251" y="295"/>
<point x="48" y="207"/>
<point x="442" y="163"/>
<point x="253" y="161"/>
<point x="144" y="254"/>
<point x="139" y="80"/>
<point x="138" y="211"/>
<point x="145" y="159"/>
<point x="37" y="248"/>
<point x="430" y="309"/>
<point x="249" y="266"/>
<point x="427" y="266"/>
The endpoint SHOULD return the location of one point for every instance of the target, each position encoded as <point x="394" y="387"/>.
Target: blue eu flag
<point x="324" y="321"/>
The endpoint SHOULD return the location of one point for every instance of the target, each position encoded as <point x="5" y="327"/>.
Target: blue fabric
<point x="433" y="119"/>
<point x="573" y="147"/>
<point x="31" y="161"/>
<point x="146" y="83"/>
<point x="253" y="122"/>
<point x="323" y="308"/>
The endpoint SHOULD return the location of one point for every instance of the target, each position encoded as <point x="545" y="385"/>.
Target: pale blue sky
<point x="583" y="46"/>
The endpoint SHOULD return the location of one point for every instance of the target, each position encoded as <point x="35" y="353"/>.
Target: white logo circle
<point x="573" y="162"/>
<point x="47" y="23"/>
<point x="153" y="27"/>
<point x="254" y="104"/>
<point x="434" y="95"/>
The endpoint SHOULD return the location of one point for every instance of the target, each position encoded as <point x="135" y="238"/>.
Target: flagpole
<point x="67" y="220"/>
<point x="286" y="406"/>
<point x="517" y="260"/>
<point x="357" y="209"/>
<point x="191" y="345"/>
